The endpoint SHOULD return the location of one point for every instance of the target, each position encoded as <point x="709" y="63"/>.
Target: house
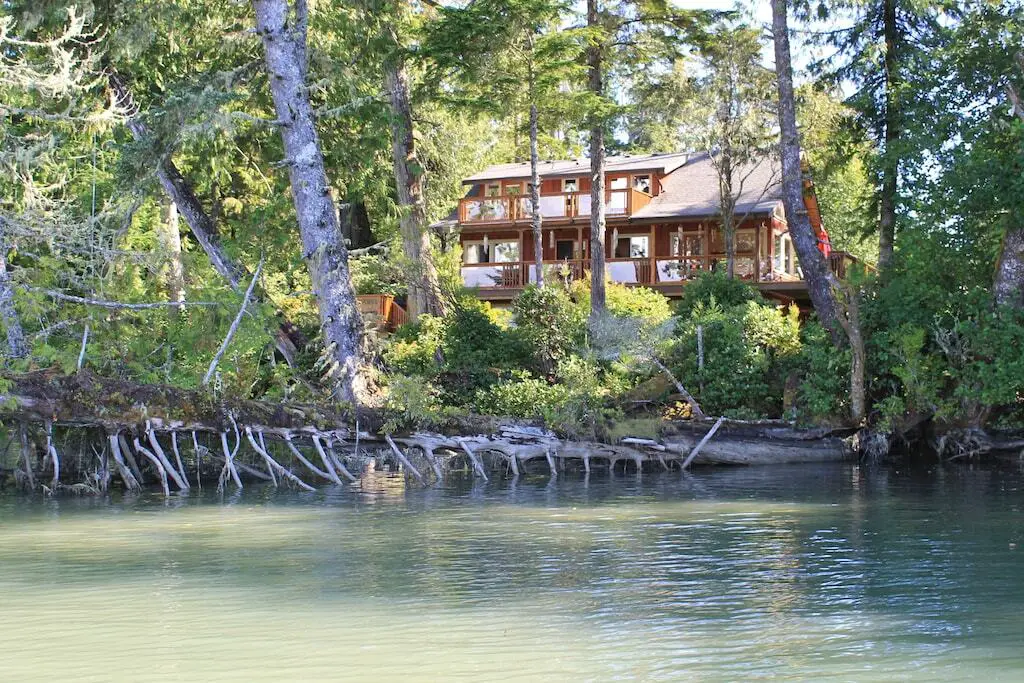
<point x="663" y="225"/>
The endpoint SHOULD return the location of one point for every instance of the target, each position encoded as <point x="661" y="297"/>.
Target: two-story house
<point x="663" y="225"/>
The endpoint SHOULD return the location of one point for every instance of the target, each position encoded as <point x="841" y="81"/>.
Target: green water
<point x="803" y="572"/>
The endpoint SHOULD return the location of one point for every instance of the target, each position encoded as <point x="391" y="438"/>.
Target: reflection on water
<point x="798" y="572"/>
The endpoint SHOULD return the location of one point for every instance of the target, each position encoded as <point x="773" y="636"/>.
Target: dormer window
<point x="642" y="183"/>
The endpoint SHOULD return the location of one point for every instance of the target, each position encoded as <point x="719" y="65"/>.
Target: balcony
<point x="658" y="271"/>
<point x="514" y="208"/>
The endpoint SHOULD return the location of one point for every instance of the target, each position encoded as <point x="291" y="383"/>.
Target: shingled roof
<point x="657" y="163"/>
<point x="692" y="190"/>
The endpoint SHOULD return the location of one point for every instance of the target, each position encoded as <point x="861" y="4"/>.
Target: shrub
<point x="824" y="373"/>
<point x="624" y="302"/>
<point x="521" y="396"/>
<point x="412" y="403"/>
<point x="746" y="348"/>
<point x="550" y="323"/>
<point x="728" y="292"/>
<point x="413" y="349"/>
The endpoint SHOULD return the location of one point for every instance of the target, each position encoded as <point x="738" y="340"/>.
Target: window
<point x="513" y="188"/>
<point x="642" y="183"/>
<point x="492" y="190"/>
<point x="504" y="252"/>
<point x="631" y="247"/>
<point x="693" y="244"/>
<point x="620" y="183"/>
<point x="570" y="185"/>
<point x="565" y="250"/>
<point x="744" y="241"/>
<point x="496" y="252"/>
<point x="474" y="253"/>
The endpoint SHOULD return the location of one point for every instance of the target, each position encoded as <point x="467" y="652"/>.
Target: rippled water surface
<point x="802" y="572"/>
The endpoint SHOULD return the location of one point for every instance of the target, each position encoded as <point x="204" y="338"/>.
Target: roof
<point x="657" y="163"/>
<point x="692" y="190"/>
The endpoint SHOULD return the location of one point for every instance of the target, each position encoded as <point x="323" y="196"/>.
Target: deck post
<point x="653" y="249"/>
<point x="757" y="252"/>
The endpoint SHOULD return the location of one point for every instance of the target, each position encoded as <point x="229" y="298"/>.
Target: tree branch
<point x="103" y="303"/>
<point x="234" y="325"/>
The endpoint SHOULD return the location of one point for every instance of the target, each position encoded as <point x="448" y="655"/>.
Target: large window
<point x="565" y="250"/>
<point x="632" y="247"/>
<point x="692" y="244"/>
<point x="504" y="251"/>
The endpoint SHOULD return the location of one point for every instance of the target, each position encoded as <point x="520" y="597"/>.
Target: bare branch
<point x="103" y="303"/>
<point x="234" y="325"/>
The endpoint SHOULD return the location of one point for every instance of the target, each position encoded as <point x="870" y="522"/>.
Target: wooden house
<point x="663" y="225"/>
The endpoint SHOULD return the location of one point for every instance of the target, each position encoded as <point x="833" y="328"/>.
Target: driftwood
<point x="129" y="419"/>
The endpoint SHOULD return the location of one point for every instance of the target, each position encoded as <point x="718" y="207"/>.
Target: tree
<point x="283" y="34"/>
<point x="840" y="157"/>
<point x="812" y="262"/>
<point x="510" y="38"/>
<point x="880" y="48"/>
<point x="728" y="114"/>
<point x="614" y="28"/>
<point x="424" y="292"/>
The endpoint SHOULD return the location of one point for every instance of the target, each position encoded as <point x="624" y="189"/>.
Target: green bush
<point x="824" y="373"/>
<point x="412" y="403"/>
<point x="521" y="396"/>
<point x="746" y="350"/>
<point x="728" y="292"/>
<point x="624" y="301"/>
<point x="550" y="323"/>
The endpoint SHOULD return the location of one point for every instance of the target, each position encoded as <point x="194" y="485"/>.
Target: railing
<point x="641" y="271"/>
<point x="839" y="262"/>
<point x="516" y="207"/>
<point x="381" y="311"/>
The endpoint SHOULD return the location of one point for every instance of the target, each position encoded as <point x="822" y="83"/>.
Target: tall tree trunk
<point x="284" y="46"/>
<point x="1009" y="281"/>
<point x="286" y="337"/>
<point x="1008" y="286"/>
<point x="812" y="262"/>
<point x="424" y="291"/>
<point x="169" y="243"/>
<point x="597" y="152"/>
<point x="889" y="160"/>
<point x="536" y="220"/>
<point x="728" y="207"/>
<point x="17" y="346"/>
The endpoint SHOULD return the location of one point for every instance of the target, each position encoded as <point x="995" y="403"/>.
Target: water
<point x="802" y="572"/>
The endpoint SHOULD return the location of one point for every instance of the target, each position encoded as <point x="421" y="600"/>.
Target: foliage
<point x="745" y="349"/>
<point x="725" y="291"/>
<point x="549" y="322"/>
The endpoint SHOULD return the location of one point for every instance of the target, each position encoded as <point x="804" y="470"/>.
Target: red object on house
<point x="824" y="243"/>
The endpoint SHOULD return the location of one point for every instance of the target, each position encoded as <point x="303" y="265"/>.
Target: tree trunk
<point x="17" y="346"/>
<point x="424" y="294"/>
<point x="286" y="338"/>
<point x="889" y="159"/>
<point x="536" y="220"/>
<point x="812" y="262"/>
<point x="322" y="244"/>
<point x="597" y="204"/>
<point x="727" y="202"/>
<point x="849" y="298"/>
<point x="1009" y="281"/>
<point x="169" y="243"/>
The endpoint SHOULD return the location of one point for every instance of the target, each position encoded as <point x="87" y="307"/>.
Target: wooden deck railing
<point x="643" y="271"/>
<point x="511" y="208"/>
<point x="382" y="311"/>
